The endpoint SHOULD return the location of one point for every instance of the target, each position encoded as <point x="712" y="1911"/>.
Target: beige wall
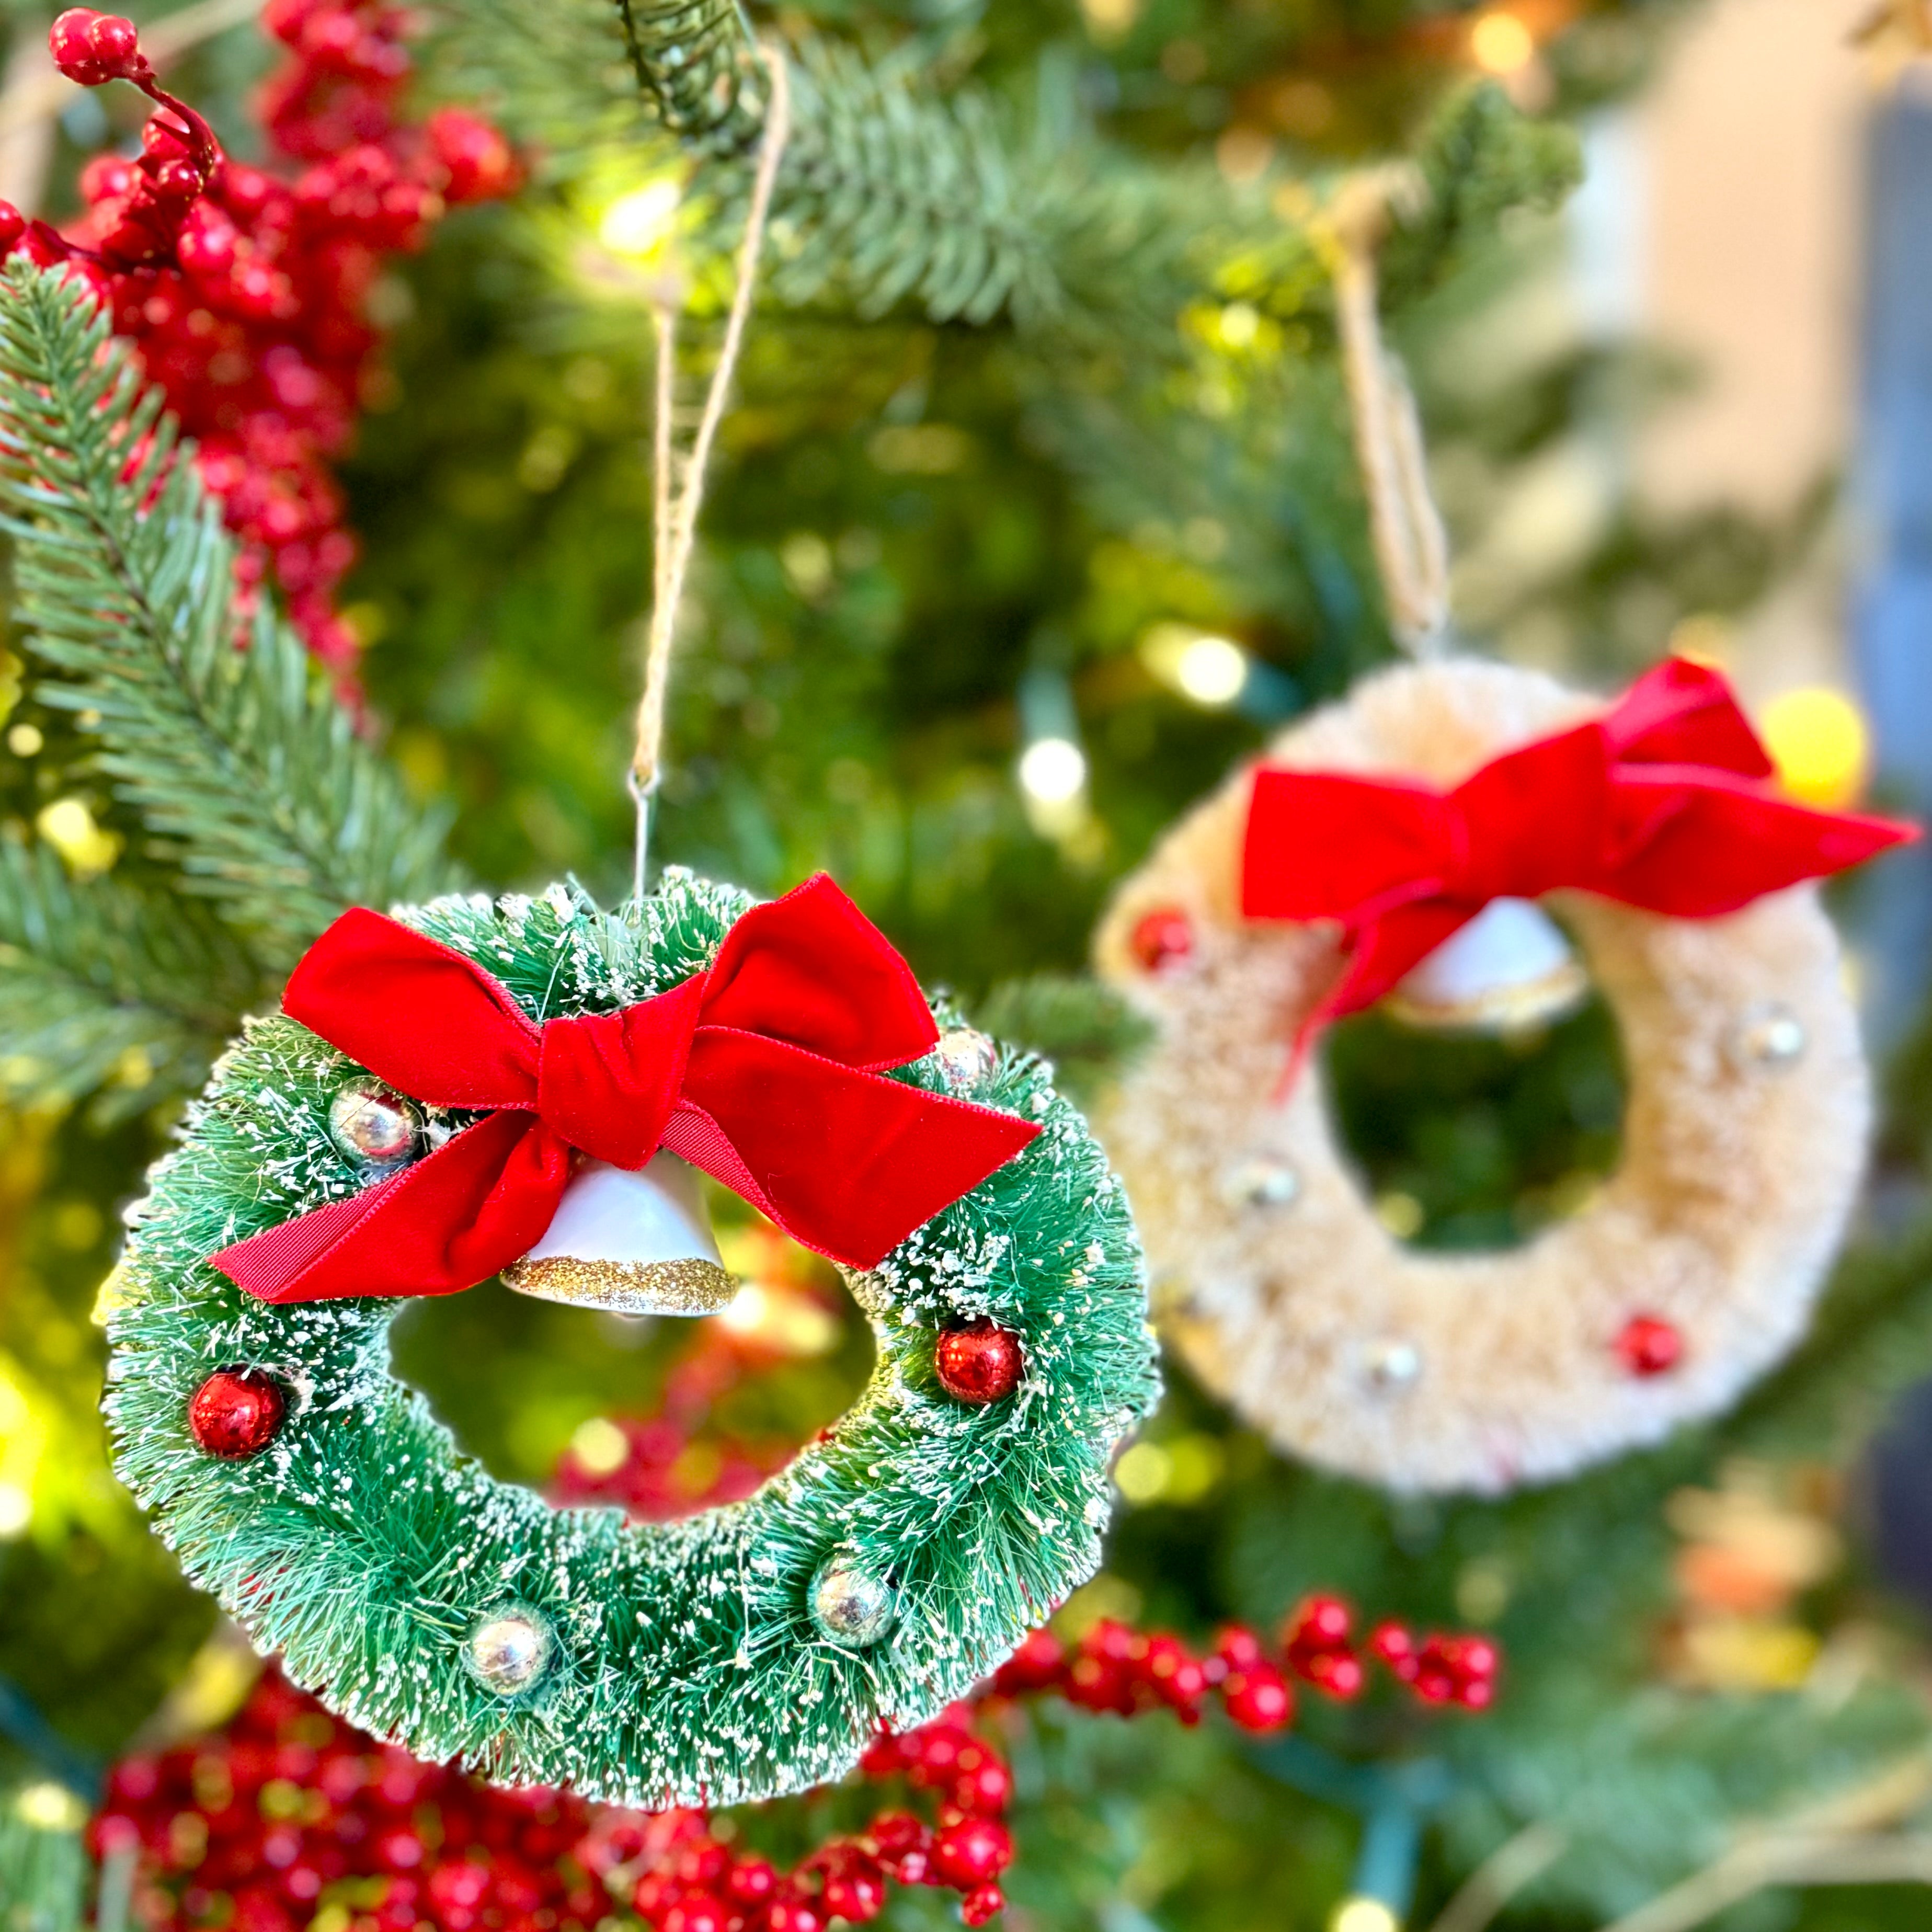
<point x="1749" y="167"/>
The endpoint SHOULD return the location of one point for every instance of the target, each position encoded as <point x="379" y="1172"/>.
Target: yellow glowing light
<point x="1108" y="20"/>
<point x="1241" y="323"/>
<point x="780" y="1318"/>
<point x="114" y="1294"/>
<point x="1209" y="670"/>
<point x="1363" y="1914"/>
<point x="1401" y="1214"/>
<point x="601" y="1447"/>
<point x="23" y="1447"/>
<point x="1143" y="1473"/>
<point x="1500" y="44"/>
<point x="1212" y="670"/>
<point x="1053" y="771"/>
<point x="49" y="1808"/>
<point x="68" y="826"/>
<point x="24" y="740"/>
<point x="639" y="224"/>
<point x="1818" y="740"/>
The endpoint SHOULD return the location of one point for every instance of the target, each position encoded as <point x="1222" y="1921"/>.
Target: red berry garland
<point x="1113" y="1668"/>
<point x="248" y="294"/>
<point x="290" y="1810"/>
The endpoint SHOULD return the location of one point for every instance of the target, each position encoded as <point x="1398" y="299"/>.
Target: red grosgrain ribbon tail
<point x="1662" y="803"/>
<point x="471" y="1207"/>
<point x="764" y="1071"/>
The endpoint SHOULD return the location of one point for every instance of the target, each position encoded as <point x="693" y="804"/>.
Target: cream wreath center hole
<point x="1474" y="1142"/>
<point x="659" y="1415"/>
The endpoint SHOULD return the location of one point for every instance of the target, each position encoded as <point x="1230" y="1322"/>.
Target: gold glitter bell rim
<point x="1509" y="970"/>
<point x="686" y="1287"/>
<point x="628" y="1244"/>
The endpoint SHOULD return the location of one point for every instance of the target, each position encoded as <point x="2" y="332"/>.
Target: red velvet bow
<point x="1660" y="803"/>
<point x="764" y="1071"/>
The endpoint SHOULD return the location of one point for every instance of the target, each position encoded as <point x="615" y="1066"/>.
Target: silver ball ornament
<point x="508" y="1650"/>
<point x="1260" y="1180"/>
<point x="966" y="1056"/>
<point x="851" y="1606"/>
<point x="1767" y="1038"/>
<point x="370" y="1123"/>
<point x="1391" y="1365"/>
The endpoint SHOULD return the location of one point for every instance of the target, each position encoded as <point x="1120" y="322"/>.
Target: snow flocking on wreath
<point x="444" y="1089"/>
<point x="1385" y="845"/>
<point x="527" y="1087"/>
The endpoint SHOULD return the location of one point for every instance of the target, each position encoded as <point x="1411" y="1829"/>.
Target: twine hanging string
<point x="1411" y="548"/>
<point x="674" y="507"/>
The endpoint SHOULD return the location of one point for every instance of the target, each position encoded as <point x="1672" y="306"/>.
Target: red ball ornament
<point x="237" y="1413"/>
<point x="1161" y="937"/>
<point x="1650" y="1345"/>
<point x="978" y="1363"/>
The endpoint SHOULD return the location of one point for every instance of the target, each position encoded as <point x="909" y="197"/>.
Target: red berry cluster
<point x="289" y="1811"/>
<point x="695" y="1883"/>
<point x="1113" y="1668"/>
<point x="1440" y="1668"/>
<point x="247" y="293"/>
<point x="679" y="1460"/>
<point x="971" y="1847"/>
<point x="669" y="1470"/>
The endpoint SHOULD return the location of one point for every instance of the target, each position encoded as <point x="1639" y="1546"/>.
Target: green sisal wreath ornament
<point x="747" y="1652"/>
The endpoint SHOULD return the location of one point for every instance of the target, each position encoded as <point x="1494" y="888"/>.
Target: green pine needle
<point x="959" y="203"/>
<point x="244" y="767"/>
<point x="108" y="984"/>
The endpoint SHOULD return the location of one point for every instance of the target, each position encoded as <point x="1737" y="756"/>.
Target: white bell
<point x="1508" y="969"/>
<point x="630" y="1243"/>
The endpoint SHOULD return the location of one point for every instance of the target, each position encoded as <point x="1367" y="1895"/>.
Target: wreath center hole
<point x="1476" y="1142"/>
<point x="659" y="1415"/>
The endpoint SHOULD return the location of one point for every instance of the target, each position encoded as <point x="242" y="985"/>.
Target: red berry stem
<point x="247" y="292"/>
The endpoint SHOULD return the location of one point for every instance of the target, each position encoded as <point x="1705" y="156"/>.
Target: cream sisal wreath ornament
<point x="1429" y="807"/>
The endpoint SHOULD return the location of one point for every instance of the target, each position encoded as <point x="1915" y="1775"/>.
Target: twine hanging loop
<point x="1412" y="547"/>
<point x="674" y="508"/>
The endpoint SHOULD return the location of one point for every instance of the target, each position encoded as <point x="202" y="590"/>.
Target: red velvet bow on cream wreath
<point x="764" y="1071"/>
<point x="1661" y="803"/>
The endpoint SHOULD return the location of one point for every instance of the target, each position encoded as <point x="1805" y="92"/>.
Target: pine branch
<point x="43" y="1874"/>
<point x="109" y="986"/>
<point x="1871" y="1339"/>
<point x="241" y="764"/>
<point x="890" y="193"/>
<point x="1086" y="1030"/>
